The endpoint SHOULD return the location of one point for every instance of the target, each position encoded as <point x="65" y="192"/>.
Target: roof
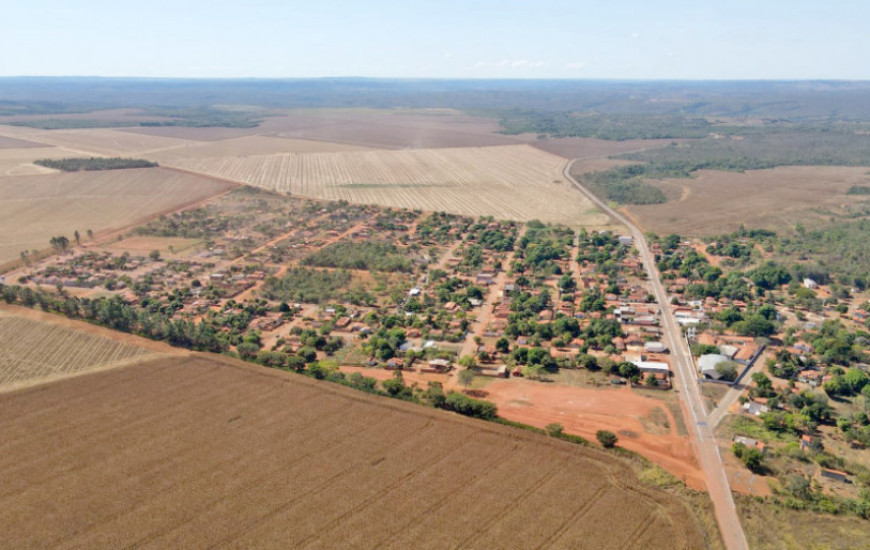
<point x="708" y="362"/>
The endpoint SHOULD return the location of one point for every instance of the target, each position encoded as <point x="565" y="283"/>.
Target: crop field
<point x="100" y="141"/>
<point x="250" y="145"/>
<point x="32" y="351"/>
<point x="18" y="161"/>
<point x="717" y="202"/>
<point x="35" y="208"/>
<point x="584" y="148"/>
<point x="15" y="143"/>
<point x="227" y="454"/>
<point x="511" y="182"/>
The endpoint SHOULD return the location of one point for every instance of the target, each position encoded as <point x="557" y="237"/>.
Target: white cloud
<point x="574" y="65"/>
<point x="448" y="55"/>
<point x="526" y="64"/>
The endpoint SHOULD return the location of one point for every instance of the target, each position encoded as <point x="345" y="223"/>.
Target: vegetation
<point x="94" y="164"/>
<point x="367" y="255"/>
<point x="625" y="185"/>
<point x="607" y="438"/>
<point x="314" y="286"/>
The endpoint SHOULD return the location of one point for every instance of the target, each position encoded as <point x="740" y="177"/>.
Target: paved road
<point x="685" y="382"/>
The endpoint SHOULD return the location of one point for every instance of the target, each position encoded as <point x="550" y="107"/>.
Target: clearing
<point x="228" y="454"/>
<point x="583" y="411"/>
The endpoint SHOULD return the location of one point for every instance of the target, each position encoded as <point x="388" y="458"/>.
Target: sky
<point x="573" y="39"/>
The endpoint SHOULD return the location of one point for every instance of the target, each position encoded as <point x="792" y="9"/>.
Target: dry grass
<point x="19" y="161"/>
<point x="512" y="182"/>
<point x="716" y="202"/>
<point x="15" y="143"/>
<point x="35" y="208"/>
<point x="770" y="527"/>
<point x="205" y="452"/>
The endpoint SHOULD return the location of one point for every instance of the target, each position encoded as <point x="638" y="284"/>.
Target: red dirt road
<point x="584" y="411"/>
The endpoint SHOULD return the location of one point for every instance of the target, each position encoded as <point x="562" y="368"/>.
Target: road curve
<point x="685" y="381"/>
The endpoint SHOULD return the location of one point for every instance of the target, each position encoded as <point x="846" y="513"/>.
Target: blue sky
<point x="626" y="39"/>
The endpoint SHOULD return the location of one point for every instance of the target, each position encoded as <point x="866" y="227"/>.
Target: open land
<point x="35" y="208"/>
<point x="273" y="459"/>
<point x="716" y="202"/>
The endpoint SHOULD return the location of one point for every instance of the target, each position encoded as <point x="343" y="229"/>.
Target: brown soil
<point x="583" y="412"/>
<point x="203" y="452"/>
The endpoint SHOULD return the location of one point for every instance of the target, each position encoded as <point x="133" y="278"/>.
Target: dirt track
<point x="204" y="452"/>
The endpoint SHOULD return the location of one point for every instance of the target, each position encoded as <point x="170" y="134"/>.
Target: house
<point x="625" y="240"/>
<point x="810" y="284"/>
<point x="653" y="367"/>
<point x="749" y="442"/>
<point x="655" y="347"/>
<point x="754" y="408"/>
<point x="437" y="365"/>
<point x="395" y="363"/>
<point x="835" y="474"/>
<point x="807" y="442"/>
<point x="707" y="364"/>
<point x="501" y="371"/>
<point x="414" y="292"/>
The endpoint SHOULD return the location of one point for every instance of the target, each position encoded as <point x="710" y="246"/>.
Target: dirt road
<point x="685" y="382"/>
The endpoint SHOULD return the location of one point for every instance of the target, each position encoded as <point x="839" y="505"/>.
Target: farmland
<point x="716" y="202"/>
<point x="274" y="459"/>
<point x="35" y="208"/>
<point x="510" y="182"/>
<point x="34" y="350"/>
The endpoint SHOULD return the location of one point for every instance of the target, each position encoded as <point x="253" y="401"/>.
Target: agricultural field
<point x="588" y="148"/>
<point x="35" y="208"/>
<point x="278" y="460"/>
<point x="33" y="351"/>
<point x="511" y="182"/>
<point x="97" y="141"/>
<point x="715" y="202"/>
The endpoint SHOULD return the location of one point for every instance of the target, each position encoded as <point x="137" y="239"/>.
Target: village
<point x="384" y="294"/>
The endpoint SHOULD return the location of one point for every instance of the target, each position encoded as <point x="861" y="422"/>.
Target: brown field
<point x="716" y="202"/>
<point x="15" y="143"/>
<point x="19" y="161"/>
<point x="250" y="145"/>
<point x="585" y="148"/>
<point x="584" y="411"/>
<point x="385" y="129"/>
<point x="201" y="452"/>
<point x="35" y="208"/>
<point x="97" y="141"/>
<point x="513" y="182"/>
<point x="33" y="350"/>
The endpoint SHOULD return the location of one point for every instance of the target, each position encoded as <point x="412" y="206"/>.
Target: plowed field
<point x="201" y="452"/>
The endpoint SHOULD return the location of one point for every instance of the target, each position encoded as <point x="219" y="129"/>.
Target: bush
<point x="477" y="408"/>
<point x="606" y="438"/>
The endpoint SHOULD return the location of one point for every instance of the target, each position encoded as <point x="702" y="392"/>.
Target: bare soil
<point x="583" y="412"/>
<point x="205" y="452"/>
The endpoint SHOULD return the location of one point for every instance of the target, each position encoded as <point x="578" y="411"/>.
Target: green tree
<point x="555" y="429"/>
<point x="466" y="377"/>
<point x="607" y="438"/>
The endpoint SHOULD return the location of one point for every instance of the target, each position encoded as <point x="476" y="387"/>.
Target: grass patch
<point x="772" y="527"/>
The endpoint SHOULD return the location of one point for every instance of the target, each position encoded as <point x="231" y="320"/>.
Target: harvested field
<point x="512" y="182"/>
<point x="586" y="148"/>
<point x="584" y="411"/>
<point x="205" y="452"/>
<point x="250" y="145"/>
<point x="32" y="351"/>
<point x="35" y="208"/>
<point x="105" y="142"/>
<point x="718" y="202"/>
<point x="15" y="143"/>
<point x="19" y="161"/>
<point x="388" y="129"/>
